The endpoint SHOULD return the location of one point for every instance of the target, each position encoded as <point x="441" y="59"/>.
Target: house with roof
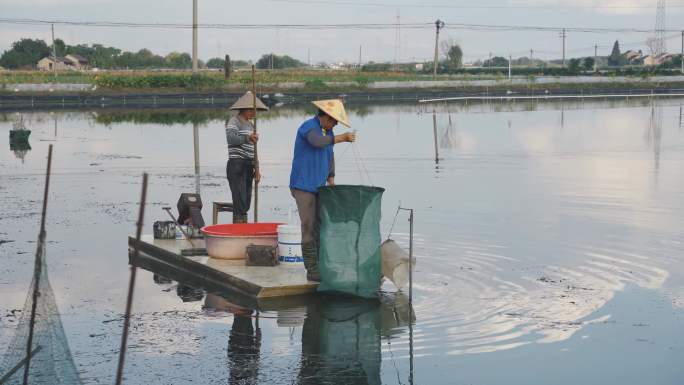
<point x="77" y="61"/>
<point x="650" y="60"/>
<point x="632" y="56"/>
<point x="50" y="63"/>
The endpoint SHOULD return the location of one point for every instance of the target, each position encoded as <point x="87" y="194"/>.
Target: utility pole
<point x="489" y="63"/>
<point x="531" y="58"/>
<point x="194" y="36"/>
<point x="596" y="56"/>
<point x="308" y="56"/>
<point x="54" y="52"/>
<point x="439" y="25"/>
<point x="682" y="52"/>
<point x="563" y="35"/>
<point x="510" y="63"/>
<point x="397" y="38"/>
<point x="360" y="57"/>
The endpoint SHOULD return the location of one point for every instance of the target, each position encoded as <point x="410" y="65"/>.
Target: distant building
<point x="51" y="64"/>
<point x="632" y="56"/>
<point x="77" y="61"/>
<point x="419" y="66"/>
<point x="650" y="60"/>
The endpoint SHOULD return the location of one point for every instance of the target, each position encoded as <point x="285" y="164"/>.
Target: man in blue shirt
<point x="313" y="166"/>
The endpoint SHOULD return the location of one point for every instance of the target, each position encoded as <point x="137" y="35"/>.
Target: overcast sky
<point x="343" y="45"/>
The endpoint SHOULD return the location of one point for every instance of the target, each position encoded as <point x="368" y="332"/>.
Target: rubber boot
<point x="310" y="254"/>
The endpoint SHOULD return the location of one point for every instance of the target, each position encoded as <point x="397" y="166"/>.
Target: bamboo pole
<point x="18" y="366"/>
<point x="131" y="283"/>
<point x="37" y="270"/>
<point x="256" y="154"/>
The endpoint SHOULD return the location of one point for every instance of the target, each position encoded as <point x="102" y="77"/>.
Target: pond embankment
<point x="22" y="96"/>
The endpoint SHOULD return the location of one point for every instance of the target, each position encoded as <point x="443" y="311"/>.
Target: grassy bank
<point x="315" y="81"/>
<point x="206" y="79"/>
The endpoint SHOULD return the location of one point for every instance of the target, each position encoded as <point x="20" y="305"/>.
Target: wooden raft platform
<point x="252" y="281"/>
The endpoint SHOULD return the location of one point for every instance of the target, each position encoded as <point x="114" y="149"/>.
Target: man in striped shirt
<point x="241" y="169"/>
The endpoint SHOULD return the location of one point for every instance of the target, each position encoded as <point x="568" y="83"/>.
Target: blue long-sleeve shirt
<point x="313" y="161"/>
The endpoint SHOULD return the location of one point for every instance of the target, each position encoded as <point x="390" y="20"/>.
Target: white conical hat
<point x="334" y="108"/>
<point x="246" y="101"/>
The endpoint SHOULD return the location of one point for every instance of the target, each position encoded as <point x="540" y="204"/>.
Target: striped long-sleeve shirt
<point x="237" y="136"/>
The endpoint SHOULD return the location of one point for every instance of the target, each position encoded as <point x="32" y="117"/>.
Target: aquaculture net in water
<point x="51" y="361"/>
<point x="349" y="252"/>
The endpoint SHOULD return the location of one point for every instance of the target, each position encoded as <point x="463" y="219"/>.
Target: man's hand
<point x="331" y="181"/>
<point x="346" y="137"/>
<point x="257" y="175"/>
<point x="254" y="137"/>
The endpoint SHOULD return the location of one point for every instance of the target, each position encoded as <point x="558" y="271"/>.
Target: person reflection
<point x="244" y="342"/>
<point x="341" y="342"/>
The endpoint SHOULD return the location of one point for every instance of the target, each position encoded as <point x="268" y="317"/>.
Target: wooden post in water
<point x="37" y="269"/>
<point x="434" y="131"/>
<point x="256" y="154"/>
<point x="195" y="140"/>
<point x="131" y="283"/>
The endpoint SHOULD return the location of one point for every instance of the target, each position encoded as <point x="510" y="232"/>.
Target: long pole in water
<point x="434" y="131"/>
<point x="37" y="269"/>
<point x="411" y="297"/>
<point x="256" y="154"/>
<point x="411" y="259"/>
<point x="195" y="140"/>
<point x="18" y="366"/>
<point x="131" y="283"/>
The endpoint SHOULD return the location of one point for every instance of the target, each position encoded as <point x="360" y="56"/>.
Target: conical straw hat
<point x="246" y="101"/>
<point x="334" y="108"/>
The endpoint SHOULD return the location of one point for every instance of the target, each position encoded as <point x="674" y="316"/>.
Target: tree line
<point x="25" y="54"/>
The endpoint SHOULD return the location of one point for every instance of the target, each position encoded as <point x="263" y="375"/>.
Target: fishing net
<point x="349" y="252"/>
<point x="51" y="361"/>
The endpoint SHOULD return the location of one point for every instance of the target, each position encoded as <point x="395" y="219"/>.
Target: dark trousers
<point x="308" y="214"/>
<point x="240" y="173"/>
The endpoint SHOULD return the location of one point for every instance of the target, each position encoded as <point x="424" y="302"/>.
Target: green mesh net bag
<point x="349" y="250"/>
<point x="51" y="360"/>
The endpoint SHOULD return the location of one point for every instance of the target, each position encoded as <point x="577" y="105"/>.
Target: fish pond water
<point x="549" y="240"/>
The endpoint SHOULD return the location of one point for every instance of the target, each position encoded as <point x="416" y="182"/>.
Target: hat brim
<point x="247" y="101"/>
<point x="335" y="110"/>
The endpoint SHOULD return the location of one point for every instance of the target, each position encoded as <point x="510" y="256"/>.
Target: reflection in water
<point x="653" y="134"/>
<point x="450" y="137"/>
<point x="524" y="237"/>
<point x="340" y="339"/>
<point x="160" y="279"/>
<point x="189" y="293"/>
<point x="244" y="345"/>
<point x="341" y="343"/>
<point x="244" y="340"/>
<point x="434" y="134"/>
<point x="20" y="149"/>
<point x="19" y="139"/>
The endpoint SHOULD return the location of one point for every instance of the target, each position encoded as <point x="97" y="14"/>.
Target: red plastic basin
<point x="230" y="241"/>
<point x="242" y="229"/>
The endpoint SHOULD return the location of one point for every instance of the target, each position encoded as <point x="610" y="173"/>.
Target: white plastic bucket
<point x="290" y="245"/>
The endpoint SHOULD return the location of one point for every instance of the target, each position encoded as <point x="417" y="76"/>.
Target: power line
<point x="534" y="28"/>
<point x="121" y="24"/>
<point x="451" y="6"/>
<point x="351" y="26"/>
